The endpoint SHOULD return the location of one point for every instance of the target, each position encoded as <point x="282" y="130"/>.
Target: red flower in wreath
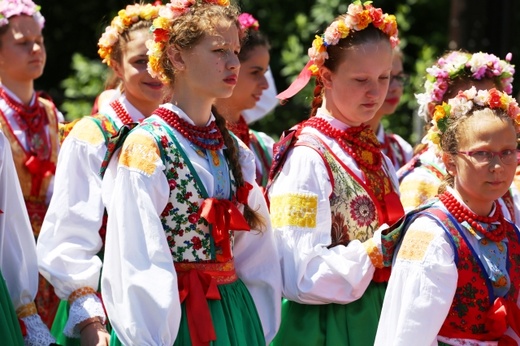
<point x="362" y="210"/>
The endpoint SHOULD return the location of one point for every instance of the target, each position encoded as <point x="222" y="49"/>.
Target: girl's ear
<point x="449" y="162"/>
<point x="326" y="77"/>
<point x="118" y="70"/>
<point x="176" y="59"/>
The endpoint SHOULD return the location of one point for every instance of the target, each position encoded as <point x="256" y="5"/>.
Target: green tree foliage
<point x="81" y="88"/>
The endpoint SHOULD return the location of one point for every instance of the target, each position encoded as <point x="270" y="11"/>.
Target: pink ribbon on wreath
<point x="298" y="84"/>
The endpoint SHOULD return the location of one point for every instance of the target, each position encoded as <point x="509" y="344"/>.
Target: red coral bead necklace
<point x="462" y="213"/>
<point x="352" y="134"/>
<point x="207" y="137"/>
<point x="121" y="112"/>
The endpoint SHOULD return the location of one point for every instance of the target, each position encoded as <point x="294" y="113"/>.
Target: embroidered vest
<point x="354" y="214"/>
<point x="394" y="151"/>
<point x="188" y="234"/>
<point x="262" y="156"/>
<point x="36" y="204"/>
<point x="474" y="295"/>
<point x="110" y="131"/>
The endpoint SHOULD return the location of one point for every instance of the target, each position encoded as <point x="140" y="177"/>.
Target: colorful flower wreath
<point x="125" y="18"/>
<point x="464" y="103"/>
<point x="456" y="64"/>
<point x="358" y="17"/>
<point x="11" y="8"/>
<point x="247" y="21"/>
<point x="161" y="28"/>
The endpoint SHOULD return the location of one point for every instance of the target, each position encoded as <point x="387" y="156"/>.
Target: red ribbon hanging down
<point x="503" y="314"/>
<point x="39" y="169"/>
<point x="224" y="216"/>
<point x="196" y="287"/>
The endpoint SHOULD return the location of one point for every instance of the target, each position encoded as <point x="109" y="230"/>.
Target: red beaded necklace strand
<point x="27" y="117"/>
<point x="361" y="143"/>
<point x="121" y="112"/>
<point x="462" y="213"/>
<point x="193" y="133"/>
<point x="240" y="129"/>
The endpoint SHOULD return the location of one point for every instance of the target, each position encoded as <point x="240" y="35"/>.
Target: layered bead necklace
<point x="240" y="129"/>
<point x="207" y="137"/>
<point x="462" y="213"/>
<point x="32" y="120"/>
<point x="359" y="142"/>
<point x="121" y="112"/>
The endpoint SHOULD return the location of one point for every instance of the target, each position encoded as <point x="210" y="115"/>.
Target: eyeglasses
<point x="400" y="78"/>
<point x="508" y="156"/>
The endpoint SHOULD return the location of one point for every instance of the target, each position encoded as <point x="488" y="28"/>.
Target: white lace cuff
<point x="37" y="332"/>
<point x="81" y="309"/>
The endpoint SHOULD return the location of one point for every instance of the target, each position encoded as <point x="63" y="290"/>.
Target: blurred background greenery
<point x="74" y="74"/>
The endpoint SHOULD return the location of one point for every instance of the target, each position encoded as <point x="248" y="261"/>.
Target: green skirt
<point x="353" y="324"/>
<point x="62" y="315"/>
<point x="234" y="317"/>
<point x="9" y="327"/>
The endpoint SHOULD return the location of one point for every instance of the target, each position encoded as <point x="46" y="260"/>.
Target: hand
<point x="94" y="334"/>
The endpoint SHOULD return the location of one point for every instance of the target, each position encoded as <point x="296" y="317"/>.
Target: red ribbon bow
<point x="243" y="193"/>
<point x="224" y="216"/>
<point x="39" y="169"/>
<point x="195" y="287"/>
<point x="503" y="314"/>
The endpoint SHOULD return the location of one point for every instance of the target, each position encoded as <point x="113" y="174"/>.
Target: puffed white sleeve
<point x="139" y="282"/>
<point x="69" y="241"/>
<point x="258" y="266"/>
<point x="312" y="272"/>
<point x="421" y="288"/>
<point x="18" y="261"/>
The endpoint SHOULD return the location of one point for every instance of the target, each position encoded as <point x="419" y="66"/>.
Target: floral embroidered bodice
<point x="188" y="234"/>
<point x="354" y="214"/>
<point x="475" y="293"/>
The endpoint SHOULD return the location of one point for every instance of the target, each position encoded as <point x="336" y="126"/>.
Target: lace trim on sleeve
<point x="81" y="309"/>
<point x="37" y="332"/>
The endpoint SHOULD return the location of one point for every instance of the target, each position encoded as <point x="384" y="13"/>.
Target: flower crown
<point x="456" y="64"/>
<point x="11" y="8"/>
<point x="464" y="103"/>
<point x="125" y="19"/>
<point x="247" y="21"/>
<point x="161" y="32"/>
<point x="358" y="17"/>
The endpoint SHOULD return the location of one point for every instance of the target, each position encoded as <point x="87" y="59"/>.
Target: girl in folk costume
<point x="254" y="61"/>
<point x="335" y="188"/>
<point x="190" y="256"/>
<point x="456" y="276"/>
<point x="394" y="146"/>
<point x="74" y="228"/>
<point x="454" y="71"/>
<point x="29" y="121"/>
<point x="20" y="323"/>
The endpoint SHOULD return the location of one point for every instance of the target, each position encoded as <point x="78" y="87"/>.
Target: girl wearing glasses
<point x="456" y="275"/>
<point x="394" y="146"/>
<point x="453" y="72"/>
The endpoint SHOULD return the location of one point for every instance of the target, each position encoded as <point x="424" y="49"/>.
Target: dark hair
<point x="252" y="39"/>
<point x="338" y="53"/>
<point x="253" y="218"/>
